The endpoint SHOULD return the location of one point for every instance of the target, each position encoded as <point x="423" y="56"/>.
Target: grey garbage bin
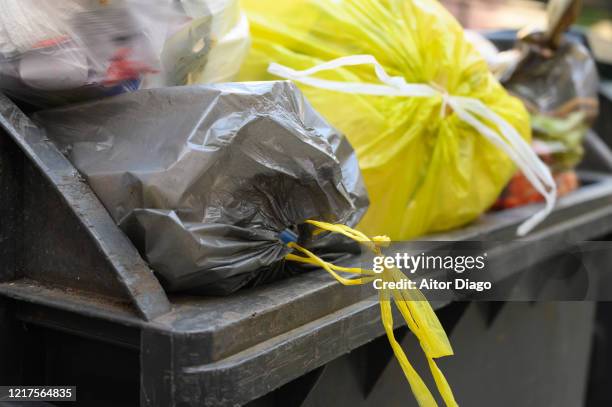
<point x="519" y="358"/>
<point x="79" y="306"/>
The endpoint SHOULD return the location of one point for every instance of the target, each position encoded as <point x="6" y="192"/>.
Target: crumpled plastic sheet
<point x="204" y="178"/>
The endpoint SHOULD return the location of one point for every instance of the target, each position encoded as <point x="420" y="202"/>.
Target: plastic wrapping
<point x="211" y="47"/>
<point x="204" y="179"/>
<point x="425" y="167"/>
<point x="556" y="77"/>
<point x="53" y="52"/>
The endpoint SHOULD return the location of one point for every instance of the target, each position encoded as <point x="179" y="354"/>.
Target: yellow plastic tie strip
<point x="413" y="306"/>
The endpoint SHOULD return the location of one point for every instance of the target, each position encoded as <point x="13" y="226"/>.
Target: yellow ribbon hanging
<point x="413" y="306"/>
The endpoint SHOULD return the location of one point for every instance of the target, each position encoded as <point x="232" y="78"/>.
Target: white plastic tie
<point x="472" y="111"/>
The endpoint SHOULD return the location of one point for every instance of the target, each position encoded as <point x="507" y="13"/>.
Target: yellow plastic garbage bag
<point x="436" y="135"/>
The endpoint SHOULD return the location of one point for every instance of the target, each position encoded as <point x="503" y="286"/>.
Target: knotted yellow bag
<point x="436" y="135"/>
<point x="412" y="305"/>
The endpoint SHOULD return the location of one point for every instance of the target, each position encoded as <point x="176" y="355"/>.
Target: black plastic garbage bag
<point x="556" y="77"/>
<point x="204" y="179"/>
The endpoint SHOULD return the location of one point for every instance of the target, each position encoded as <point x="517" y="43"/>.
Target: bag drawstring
<point x="470" y="110"/>
<point x="413" y="306"/>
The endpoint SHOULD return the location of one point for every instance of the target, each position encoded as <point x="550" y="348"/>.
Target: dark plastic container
<point x="79" y="306"/>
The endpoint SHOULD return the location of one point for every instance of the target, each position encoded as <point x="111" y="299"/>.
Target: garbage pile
<point x="223" y="186"/>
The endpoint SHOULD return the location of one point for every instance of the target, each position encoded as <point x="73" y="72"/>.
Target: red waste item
<point x="122" y="68"/>
<point x="51" y="42"/>
<point x="520" y="192"/>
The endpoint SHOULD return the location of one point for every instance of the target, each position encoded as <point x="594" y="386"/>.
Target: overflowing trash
<point x="209" y="181"/>
<point x="437" y="136"/>
<point x="556" y="78"/>
<point x="227" y="186"/>
<point x="223" y="187"/>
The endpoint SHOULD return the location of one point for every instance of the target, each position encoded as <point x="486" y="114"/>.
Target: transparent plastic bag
<point x="426" y="123"/>
<point x="208" y="49"/>
<point x="53" y="52"/>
